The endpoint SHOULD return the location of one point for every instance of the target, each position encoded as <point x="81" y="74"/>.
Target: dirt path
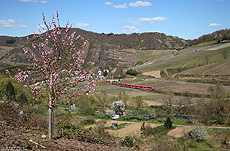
<point x="153" y="103"/>
<point x="134" y="128"/>
<point x="108" y="123"/>
<point x="180" y="131"/>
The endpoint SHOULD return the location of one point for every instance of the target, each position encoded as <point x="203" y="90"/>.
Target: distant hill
<point x="217" y="36"/>
<point x="105" y="49"/>
<point x="109" y="50"/>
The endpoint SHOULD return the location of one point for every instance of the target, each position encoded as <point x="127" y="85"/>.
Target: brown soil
<point x="180" y="131"/>
<point x="155" y="74"/>
<point x="134" y="128"/>
<point x="14" y="138"/>
<point x="152" y="103"/>
<point x="108" y="123"/>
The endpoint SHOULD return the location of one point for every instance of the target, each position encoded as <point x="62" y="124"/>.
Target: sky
<point x="186" y="19"/>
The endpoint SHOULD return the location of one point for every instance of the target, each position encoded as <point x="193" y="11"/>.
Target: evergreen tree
<point x="10" y="93"/>
<point x="168" y="123"/>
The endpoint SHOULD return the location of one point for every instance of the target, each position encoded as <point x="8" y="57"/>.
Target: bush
<point x="132" y="72"/>
<point x="100" y="129"/>
<point x="88" y="121"/>
<point x="22" y="99"/>
<point x="72" y="131"/>
<point x="27" y="145"/>
<point x="199" y="134"/>
<point x="147" y="130"/>
<point x="141" y="114"/>
<point x="89" y="110"/>
<point x="127" y="141"/>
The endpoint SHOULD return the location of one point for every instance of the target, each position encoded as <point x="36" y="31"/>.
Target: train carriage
<point x="137" y="86"/>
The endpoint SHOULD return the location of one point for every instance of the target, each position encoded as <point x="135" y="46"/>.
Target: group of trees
<point x="217" y="109"/>
<point x="212" y="110"/>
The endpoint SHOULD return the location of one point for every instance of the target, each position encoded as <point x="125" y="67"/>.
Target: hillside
<point x="104" y="49"/>
<point x="217" y="36"/>
<point x="120" y="50"/>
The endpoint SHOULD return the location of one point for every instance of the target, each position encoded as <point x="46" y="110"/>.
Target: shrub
<point x="168" y="123"/>
<point x="100" y="129"/>
<point x="148" y="130"/>
<point x="72" y="131"/>
<point x="22" y="99"/>
<point x="132" y="72"/>
<point x="127" y="141"/>
<point x="141" y="114"/>
<point x="199" y="134"/>
<point x="89" y="110"/>
<point x="68" y="116"/>
<point x="87" y="121"/>
<point x="27" y="145"/>
<point x="158" y="131"/>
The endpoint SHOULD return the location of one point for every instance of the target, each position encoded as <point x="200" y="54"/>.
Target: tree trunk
<point x="51" y="110"/>
<point x="50" y="128"/>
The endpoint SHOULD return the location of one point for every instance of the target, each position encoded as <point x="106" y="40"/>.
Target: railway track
<point x="153" y="90"/>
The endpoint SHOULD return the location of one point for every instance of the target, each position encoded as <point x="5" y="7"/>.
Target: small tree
<point x="138" y="102"/>
<point x="168" y="123"/>
<point x="10" y="93"/>
<point x="54" y="52"/>
<point x="118" y="107"/>
<point x="102" y="98"/>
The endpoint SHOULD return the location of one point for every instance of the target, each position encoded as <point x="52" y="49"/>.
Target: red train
<point x="137" y="86"/>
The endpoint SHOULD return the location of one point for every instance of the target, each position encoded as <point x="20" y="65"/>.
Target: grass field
<point x="4" y="50"/>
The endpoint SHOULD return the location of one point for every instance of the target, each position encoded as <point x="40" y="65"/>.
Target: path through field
<point x="134" y="128"/>
<point x="180" y="131"/>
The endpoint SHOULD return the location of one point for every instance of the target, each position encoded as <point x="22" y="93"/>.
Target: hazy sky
<point x="187" y="19"/>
